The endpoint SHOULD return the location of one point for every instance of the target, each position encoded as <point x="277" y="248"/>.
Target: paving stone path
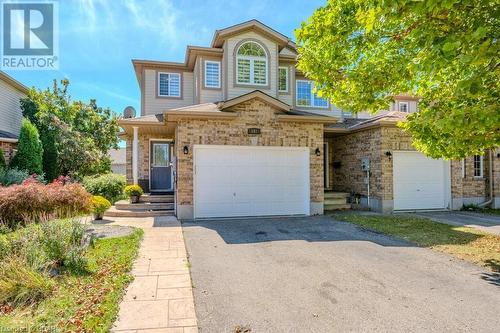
<point x="160" y="299"/>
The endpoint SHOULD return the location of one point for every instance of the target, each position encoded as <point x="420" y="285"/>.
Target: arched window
<point x="251" y="63"/>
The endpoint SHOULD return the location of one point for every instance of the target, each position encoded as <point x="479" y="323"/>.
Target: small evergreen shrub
<point x="29" y="150"/>
<point x="13" y="176"/>
<point x="109" y="186"/>
<point x="3" y="164"/>
<point x="133" y="190"/>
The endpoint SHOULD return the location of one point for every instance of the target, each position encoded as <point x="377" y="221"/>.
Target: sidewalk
<point x="160" y="299"/>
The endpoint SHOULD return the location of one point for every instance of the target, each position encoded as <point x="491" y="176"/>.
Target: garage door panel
<point x="257" y="181"/>
<point x="419" y="182"/>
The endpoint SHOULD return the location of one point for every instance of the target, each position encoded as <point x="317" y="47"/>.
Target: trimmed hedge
<point x="109" y="185"/>
<point x="29" y="150"/>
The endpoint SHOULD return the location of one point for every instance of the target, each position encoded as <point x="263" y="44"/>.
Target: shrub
<point x="3" y="164"/>
<point x="100" y="204"/>
<point x="109" y="185"/>
<point x="34" y="202"/>
<point x="29" y="149"/>
<point x="22" y="285"/>
<point x="13" y="176"/>
<point x="134" y="190"/>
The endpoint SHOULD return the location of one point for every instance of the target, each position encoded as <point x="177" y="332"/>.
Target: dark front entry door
<point x="161" y="166"/>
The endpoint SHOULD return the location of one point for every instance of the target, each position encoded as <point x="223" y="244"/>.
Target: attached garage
<point x="420" y="182"/>
<point x="236" y="181"/>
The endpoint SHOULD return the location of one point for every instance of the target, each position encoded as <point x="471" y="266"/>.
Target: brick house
<point x="11" y="92"/>
<point x="236" y="130"/>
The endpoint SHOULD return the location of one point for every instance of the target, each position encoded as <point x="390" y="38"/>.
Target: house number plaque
<point x="254" y="131"/>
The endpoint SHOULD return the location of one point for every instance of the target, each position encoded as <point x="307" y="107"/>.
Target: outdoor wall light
<point x="185" y="150"/>
<point x="388" y="154"/>
<point x="317" y="152"/>
<point x="498" y="155"/>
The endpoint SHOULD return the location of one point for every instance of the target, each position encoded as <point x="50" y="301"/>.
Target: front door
<point x="161" y="166"/>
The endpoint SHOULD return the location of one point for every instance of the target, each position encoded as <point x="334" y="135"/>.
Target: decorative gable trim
<point x="259" y="95"/>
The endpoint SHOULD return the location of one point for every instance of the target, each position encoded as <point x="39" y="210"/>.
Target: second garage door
<point x="231" y="181"/>
<point x="419" y="182"/>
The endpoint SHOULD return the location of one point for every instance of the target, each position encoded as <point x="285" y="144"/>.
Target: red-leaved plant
<point x="33" y="202"/>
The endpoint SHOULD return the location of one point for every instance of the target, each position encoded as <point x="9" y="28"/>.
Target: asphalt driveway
<point x="485" y="222"/>
<point x="318" y="275"/>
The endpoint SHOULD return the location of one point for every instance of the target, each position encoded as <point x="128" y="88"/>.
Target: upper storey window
<point x="306" y="97"/>
<point x="169" y="84"/>
<point x="251" y="63"/>
<point x="212" y="74"/>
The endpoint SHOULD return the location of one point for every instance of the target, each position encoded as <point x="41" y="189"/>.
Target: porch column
<point x="135" y="156"/>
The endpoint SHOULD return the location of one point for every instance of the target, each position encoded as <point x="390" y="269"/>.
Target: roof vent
<point x="129" y="112"/>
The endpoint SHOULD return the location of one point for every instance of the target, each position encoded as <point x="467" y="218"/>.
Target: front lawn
<point x="84" y="301"/>
<point x="462" y="242"/>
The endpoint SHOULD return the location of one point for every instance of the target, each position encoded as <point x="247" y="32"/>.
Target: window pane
<point x="160" y="155"/>
<point x="175" y="84"/>
<point x="304" y="93"/>
<point x="243" y="71"/>
<point x="320" y="102"/>
<point x="478" y="172"/>
<point x="163" y="89"/>
<point x="251" y="49"/>
<point x="212" y="74"/>
<point x="283" y="79"/>
<point x="259" y="72"/>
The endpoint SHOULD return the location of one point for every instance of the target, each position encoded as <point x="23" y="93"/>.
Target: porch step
<point x="343" y="206"/>
<point x="336" y="195"/>
<point x="156" y="198"/>
<point x="148" y="206"/>
<point x="113" y="212"/>
<point x="335" y="201"/>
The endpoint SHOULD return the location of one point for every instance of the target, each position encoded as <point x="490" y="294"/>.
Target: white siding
<point x="210" y="95"/>
<point x="286" y="51"/>
<point x="271" y="46"/>
<point x="154" y="104"/>
<point x="10" y="108"/>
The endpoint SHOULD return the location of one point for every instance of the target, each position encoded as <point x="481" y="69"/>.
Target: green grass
<point x="462" y="242"/>
<point x="83" y="303"/>
<point x="491" y="211"/>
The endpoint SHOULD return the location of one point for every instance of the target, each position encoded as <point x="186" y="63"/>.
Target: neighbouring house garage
<point x="420" y="182"/>
<point x="232" y="181"/>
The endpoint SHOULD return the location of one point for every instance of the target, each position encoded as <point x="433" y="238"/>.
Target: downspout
<point x="490" y="181"/>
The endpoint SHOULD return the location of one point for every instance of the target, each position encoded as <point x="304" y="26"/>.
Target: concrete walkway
<point x="484" y="222"/>
<point x="160" y="299"/>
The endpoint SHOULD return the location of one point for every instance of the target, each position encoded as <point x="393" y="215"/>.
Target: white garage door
<point x="419" y="182"/>
<point x="232" y="181"/>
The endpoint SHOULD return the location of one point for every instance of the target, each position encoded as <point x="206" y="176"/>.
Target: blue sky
<point x="98" y="39"/>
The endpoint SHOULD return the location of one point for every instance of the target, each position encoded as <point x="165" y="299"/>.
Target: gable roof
<point x="13" y="82"/>
<point x="255" y="94"/>
<point x="222" y="34"/>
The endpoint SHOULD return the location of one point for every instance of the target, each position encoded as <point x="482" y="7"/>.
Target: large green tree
<point x="76" y="135"/>
<point x="29" y="150"/>
<point x="361" y="53"/>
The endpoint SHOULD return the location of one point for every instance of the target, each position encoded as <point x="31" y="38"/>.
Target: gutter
<point x="8" y="140"/>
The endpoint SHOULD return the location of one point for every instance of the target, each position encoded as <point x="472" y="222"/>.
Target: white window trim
<point x="481" y="168"/>
<point x="463" y="167"/>
<point x="252" y="66"/>
<point x="312" y="93"/>
<point x="219" y="73"/>
<point x="287" y="79"/>
<point x="180" y="84"/>
<point x="407" y="106"/>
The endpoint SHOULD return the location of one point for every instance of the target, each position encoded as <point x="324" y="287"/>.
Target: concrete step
<point x="125" y="204"/>
<point x="335" y="201"/>
<point x="336" y="195"/>
<point x="337" y="207"/>
<point x="113" y="212"/>
<point x="156" y="198"/>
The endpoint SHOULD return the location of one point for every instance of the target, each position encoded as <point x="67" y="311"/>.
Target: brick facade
<point x="253" y="113"/>
<point x="373" y="143"/>
<point x="7" y="148"/>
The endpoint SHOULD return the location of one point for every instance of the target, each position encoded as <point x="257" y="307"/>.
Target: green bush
<point x="109" y="185"/>
<point x="22" y="285"/>
<point x="13" y="176"/>
<point x="3" y="164"/>
<point x="29" y="150"/>
<point x="133" y="190"/>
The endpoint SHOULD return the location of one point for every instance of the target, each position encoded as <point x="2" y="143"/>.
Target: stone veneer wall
<point x="373" y="143"/>
<point x="143" y="158"/>
<point x="254" y="113"/>
<point x="7" y="148"/>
